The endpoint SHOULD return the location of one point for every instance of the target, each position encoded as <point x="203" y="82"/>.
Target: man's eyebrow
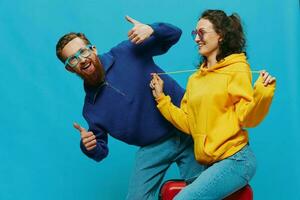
<point x="77" y="52"/>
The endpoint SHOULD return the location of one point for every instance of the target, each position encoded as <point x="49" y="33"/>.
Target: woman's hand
<point x="267" y="78"/>
<point x="157" y="85"/>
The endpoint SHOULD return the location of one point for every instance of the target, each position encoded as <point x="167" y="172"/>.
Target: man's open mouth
<point x="86" y="66"/>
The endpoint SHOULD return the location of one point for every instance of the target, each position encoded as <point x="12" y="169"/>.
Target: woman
<point x="218" y="105"/>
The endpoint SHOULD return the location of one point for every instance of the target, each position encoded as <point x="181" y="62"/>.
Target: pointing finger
<point x="78" y="127"/>
<point x="131" y="20"/>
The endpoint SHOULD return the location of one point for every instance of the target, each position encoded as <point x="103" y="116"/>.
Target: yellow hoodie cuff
<point x="162" y="100"/>
<point x="161" y="96"/>
<point x="267" y="91"/>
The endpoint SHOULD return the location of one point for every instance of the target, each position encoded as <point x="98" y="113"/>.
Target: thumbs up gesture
<point x="140" y="32"/>
<point x="88" y="137"/>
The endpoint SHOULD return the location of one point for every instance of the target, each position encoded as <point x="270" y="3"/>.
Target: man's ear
<point x="70" y="69"/>
<point x="95" y="50"/>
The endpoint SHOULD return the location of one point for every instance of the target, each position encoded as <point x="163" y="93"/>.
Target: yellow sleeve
<point x="177" y="116"/>
<point x="251" y="105"/>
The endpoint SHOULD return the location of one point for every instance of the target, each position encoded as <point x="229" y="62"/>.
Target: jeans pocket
<point x="241" y="155"/>
<point x="244" y="163"/>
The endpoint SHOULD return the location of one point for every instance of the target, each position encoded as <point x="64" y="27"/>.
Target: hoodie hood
<point x="229" y="60"/>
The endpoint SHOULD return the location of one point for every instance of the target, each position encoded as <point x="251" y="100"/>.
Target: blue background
<point x="39" y="148"/>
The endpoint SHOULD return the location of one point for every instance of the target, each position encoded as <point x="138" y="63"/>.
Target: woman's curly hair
<point x="230" y="30"/>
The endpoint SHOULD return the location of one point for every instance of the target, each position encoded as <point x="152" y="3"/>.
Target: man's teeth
<point x="86" y="66"/>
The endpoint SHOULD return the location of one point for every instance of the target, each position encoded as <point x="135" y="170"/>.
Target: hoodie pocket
<point x="200" y="153"/>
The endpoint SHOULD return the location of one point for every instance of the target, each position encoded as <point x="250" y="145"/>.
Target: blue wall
<point x="40" y="157"/>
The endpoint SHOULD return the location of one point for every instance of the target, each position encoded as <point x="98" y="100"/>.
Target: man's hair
<point x="64" y="40"/>
<point x="231" y="31"/>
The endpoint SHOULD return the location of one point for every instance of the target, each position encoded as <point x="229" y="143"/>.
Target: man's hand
<point x="140" y="32"/>
<point x="157" y="85"/>
<point x="88" y="137"/>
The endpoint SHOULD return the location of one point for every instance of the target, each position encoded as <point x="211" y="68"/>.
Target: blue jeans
<point x="153" y="161"/>
<point x="222" y="178"/>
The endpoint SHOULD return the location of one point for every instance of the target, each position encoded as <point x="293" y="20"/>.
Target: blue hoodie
<point x="123" y="106"/>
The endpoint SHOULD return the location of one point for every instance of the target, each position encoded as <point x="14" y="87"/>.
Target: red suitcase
<point x="170" y="188"/>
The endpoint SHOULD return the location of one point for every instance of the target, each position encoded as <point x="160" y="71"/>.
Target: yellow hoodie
<point x="218" y="104"/>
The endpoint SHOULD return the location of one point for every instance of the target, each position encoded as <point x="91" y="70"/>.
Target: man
<point x="119" y="102"/>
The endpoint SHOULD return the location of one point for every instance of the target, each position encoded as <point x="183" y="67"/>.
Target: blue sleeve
<point x="164" y="36"/>
<point x="101" y="149"/>
<point x="177" y="93"/>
